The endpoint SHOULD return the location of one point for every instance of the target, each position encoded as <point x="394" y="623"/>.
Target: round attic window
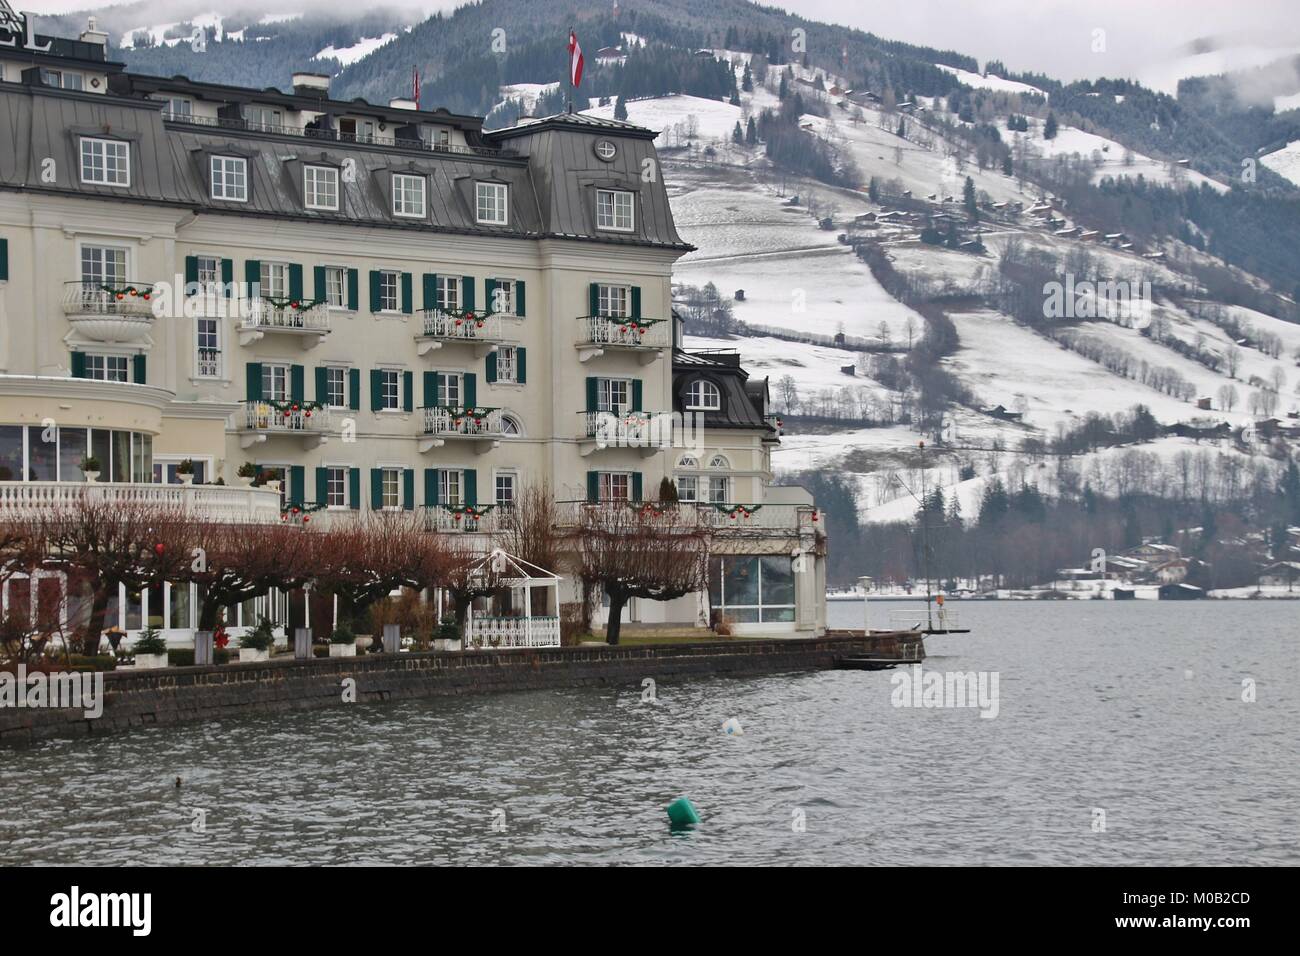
<point x="605" y="150"/>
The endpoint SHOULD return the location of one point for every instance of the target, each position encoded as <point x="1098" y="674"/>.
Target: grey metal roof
<point x="578" y="121"/>
<point x="739" y="410"/>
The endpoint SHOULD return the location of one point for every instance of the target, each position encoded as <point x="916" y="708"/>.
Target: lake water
<point x="1134" y="709"/>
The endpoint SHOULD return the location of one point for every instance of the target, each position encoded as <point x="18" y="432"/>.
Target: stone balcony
<point x="103" y="312"/>
<point x="216" y="502"/>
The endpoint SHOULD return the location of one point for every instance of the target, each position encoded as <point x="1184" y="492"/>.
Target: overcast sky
<point x="1051" y="36"/>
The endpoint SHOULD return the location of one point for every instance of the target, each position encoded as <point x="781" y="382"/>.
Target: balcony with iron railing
<point x="209" y="363"/>
<point x="721" y="518"/>
<point x="479" y="329"/>
<point x="305" y="318"/>
<point x="625" y="428"/>
<point x="386" y="140"/>
<point x="108" y="311"/>
<point x="482" y="519"/>
<point x="482" y="427"/>
<point x="648" y="338"/>
<point x="264" y="418"/>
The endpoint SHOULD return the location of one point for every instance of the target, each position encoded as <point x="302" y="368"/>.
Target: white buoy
<point x="731" y="727"/>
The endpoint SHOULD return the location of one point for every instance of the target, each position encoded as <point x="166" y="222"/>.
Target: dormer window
<point x="614" y="210"/>
<point x="408" y="195"/>
<point x="320" y="187"/>
<point x="491" y="201"/>
<point x="105" y="162"/>
<point x="703" y="396"/>
<point x="230" y="178"/>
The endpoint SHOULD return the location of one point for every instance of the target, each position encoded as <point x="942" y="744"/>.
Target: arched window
<point x="703" y="396"/>
<point x="510" y="426"/>
<point x="688" y="461"/>
<point x="719" y="461"/>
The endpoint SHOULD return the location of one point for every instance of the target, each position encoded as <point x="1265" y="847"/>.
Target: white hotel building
<point x="193" y="271"/>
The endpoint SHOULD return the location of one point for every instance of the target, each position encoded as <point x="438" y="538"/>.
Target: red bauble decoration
<point x="307" y="414"/>
<point x="120" y="296"/>
<point x="306" y="519"/>
<point x="159" y="548"/>
<point x="284" y="517"/>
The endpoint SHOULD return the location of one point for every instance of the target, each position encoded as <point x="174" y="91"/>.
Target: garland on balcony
<point x="639" y="326"/>
<point x="303" y="509"/>
<point x="287" y="408"/>
<point x="146" y="293"/>
<point x="459" y="413"/>
<point x="298" y="305"/>
<point x="468" y="315"/>
<point x="472" y="512"/>
<point x="650" y="508"/>
<point x="734" y="511"/>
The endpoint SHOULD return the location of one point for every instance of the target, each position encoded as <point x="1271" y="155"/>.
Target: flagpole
<point x="569" y="69"/>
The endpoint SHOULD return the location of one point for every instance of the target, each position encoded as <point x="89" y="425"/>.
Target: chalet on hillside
<point x="1001" y="412"/>
<point x="1280" y="574"/>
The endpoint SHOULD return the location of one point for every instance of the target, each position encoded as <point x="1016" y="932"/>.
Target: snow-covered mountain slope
<point x="1285" y="161"/>
<point x="990" y="81"/>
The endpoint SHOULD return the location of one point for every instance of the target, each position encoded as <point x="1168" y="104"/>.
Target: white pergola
<point x="526" y="630"/>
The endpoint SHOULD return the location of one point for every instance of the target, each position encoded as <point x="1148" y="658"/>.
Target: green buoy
<point x="682" y="813"/>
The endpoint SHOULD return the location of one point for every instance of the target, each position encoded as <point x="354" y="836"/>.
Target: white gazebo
<point x="525" y="629"/>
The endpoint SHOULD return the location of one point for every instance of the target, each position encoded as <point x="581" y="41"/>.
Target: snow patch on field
<point x="1285" y="161"/>
<point x="358" y="51"/>
<point x="711" y="121"/>
<point x="991" y="82"/>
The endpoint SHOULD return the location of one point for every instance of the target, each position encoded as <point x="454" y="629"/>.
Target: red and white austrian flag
<point x="575" y="60"/>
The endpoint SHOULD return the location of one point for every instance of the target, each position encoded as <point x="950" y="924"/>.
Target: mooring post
<point x="203" y="648"/>
<point x="866" y="615"/>
<point x="302" y="643"/>
<point x="392" y="638"/>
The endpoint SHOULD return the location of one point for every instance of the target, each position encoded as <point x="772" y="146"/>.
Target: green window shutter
<point x="376" y="489"/>
<point x="191" y="270"/>
<point x="354" y="298"/>
<point x="4" y="260"/>
<point x="253" y="381"/>
<point x="594" y="299"/>
<point x="519" y="297"/>
<point x="491" y="373"/>
<point x="593" y="486"/>
<point x="295" y="281"/>
<point x="489" y="295"/>
<point x="297" y="391"/>
<point x="407" y="305"/>
<point x="138" y="374"/>
<point x="321" y="389"/>
<point x="471" y="389"/>
<point x="375" y="298"/>
<point x="79" y="367"/>
<point x="467" y="293"/>
<point x="297" y="484"/>
<point x="636" y="302"/>
<point x="636" y="396"/>
<point x="322" y="485"/>
<point x="253" y="275"/>
<point x="471" y="487"/>
<point x="430" y="389"/>
<point x="227" y="276"/>
<point x="408" y="391"/>
<point x="408" y="488"/>
<point x="430" y="286"/>
<point x="592" y="393"/>
<point x="636" y="486"/>
<point x="354" y="487"/>
<point x="318" y="283"/>
<point x="376" y="390"/>
<point x="354" y="389"/>
<point x="431" y="486"/>
<point x="521" y="365"/>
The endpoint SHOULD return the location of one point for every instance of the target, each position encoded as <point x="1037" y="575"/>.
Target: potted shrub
<point x="343" y="643"/>
<point x="185" y="471"/>
<point x="247" y="473"/>
<point x="256" y="644"/>
<point x="90" y="468"/>
<point x="150" y="649"/>
<point x="446" y="638"/>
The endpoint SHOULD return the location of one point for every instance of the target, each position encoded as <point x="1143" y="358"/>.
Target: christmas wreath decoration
<point x="289" y="407"/>
<point x="298" y="305"/>
<point x="471" y="512"/>
<point x="145" y="293"/>
<point x="300" y="511"/>
<point x="739" y="511"/>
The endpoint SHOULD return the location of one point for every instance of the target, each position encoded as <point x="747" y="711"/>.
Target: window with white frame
<point x="207" y="342"/>
<point x="614" y="301"/>
<point x="613" y="395"/>
<point x="688" y="488"/>
<point x="336" y="287"/>
<point x="336" y="386"/>
<point x="230" y="178"/>
<point x="503" y="297"/>
<point x="391" y="488"/>
<point x="103" y="265"/>
<point x="615" y="486"/>
<point x="719" y="490"/>
<point x="336" y="488"/>
<point x="265" y="118"/>
<point x="107" y="368"/>
<point x="408" y="195"/>
<point x="507" y="364"/>
<point x="178" y="107"/>
<point x="390" y="291"/>
<point x="614" y="210"/>
<point x="105" y="162"/>
<point x="449" y="389"/>
<point x="390" y="389"/>
<point x="320" y="187"/>
<point x="719" y="461"/>
<point x="207" y="272"/>
<point x="505" y="489"/>
<point x="449" y="293"/>
<point x="510" y="425"/>
<point x="451" y="485"/>
<point x="703" y="396"/>
<point x="63" y="80"/>
<point x="275" y="382"/>
<point x="275" y="280"/>
<point x="491" y="202"/>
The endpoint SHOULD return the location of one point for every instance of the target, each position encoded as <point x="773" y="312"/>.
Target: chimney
<point x="316" y="85"/>
<point x="401" y="103"/>
<point x="93" y="34"/>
